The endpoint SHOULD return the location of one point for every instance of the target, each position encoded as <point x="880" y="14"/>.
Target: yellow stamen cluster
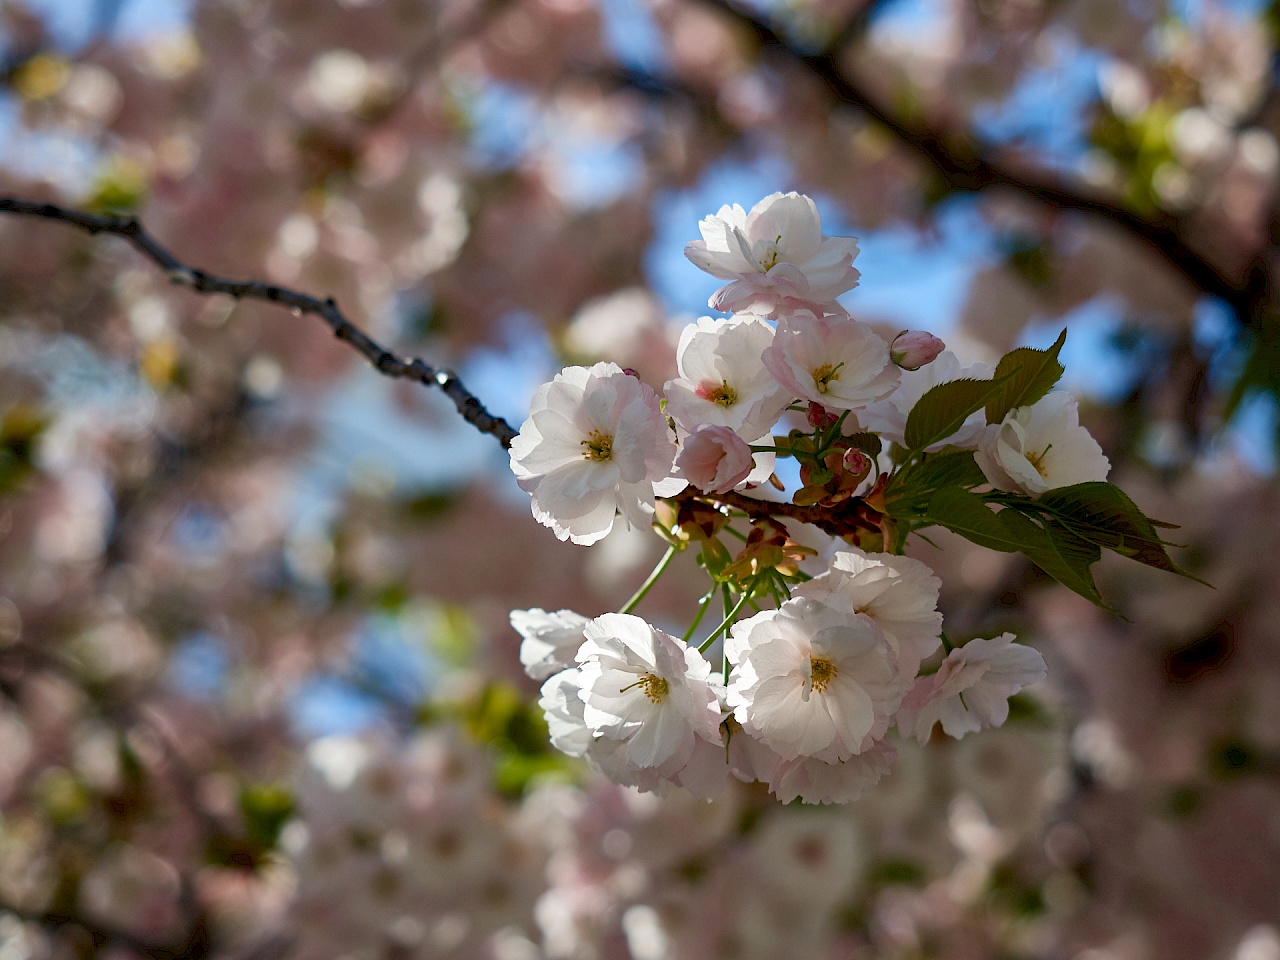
<point x="823" y="376"/>
<point x="652" y="686"/>
<point x="821" y="672"/>
<point x="724" y="395"/>
<point x="599" y="447"/>
<point x="1037" y="460"/>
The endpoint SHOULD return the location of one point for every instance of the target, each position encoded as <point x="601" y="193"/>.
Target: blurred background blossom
<point x="259" y="696"/>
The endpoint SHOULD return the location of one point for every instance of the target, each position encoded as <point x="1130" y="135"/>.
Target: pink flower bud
<point x="857" y="463"/>
<point x="912" y="349"/>
<point x="714" y="459"/>
<point x="819" y="417"/>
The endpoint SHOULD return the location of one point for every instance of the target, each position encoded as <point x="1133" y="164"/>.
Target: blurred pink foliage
<point x="209" y="507"/>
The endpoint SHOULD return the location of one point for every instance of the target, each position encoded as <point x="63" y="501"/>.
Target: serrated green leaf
<point x="966" y="514"/>
<point x="1103" y="514"/>
<point x="944" y="408"/>
<point x="913" y="487"/>
<point x="1058" y="552"/>
<point x="1027" y="375"/>
<point x="868" y="443"/>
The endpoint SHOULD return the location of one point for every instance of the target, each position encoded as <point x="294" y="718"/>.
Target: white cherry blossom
<point x="595" y="443"/>
<point x="723" y="380"/>
<point x="971" y="689"/>
<point x="1040" y="447"/>
<point x="645" y="687"/>
<point x="773" y="254"/>
<point x="811" y="780"/>
<point x="888" y="417"/>
<point x="810" y="679"/>
<point x="714" y="459"/>
<point x="550" y="639"/>
<point x="831" y="360"/>
<point x="900" y="594"/>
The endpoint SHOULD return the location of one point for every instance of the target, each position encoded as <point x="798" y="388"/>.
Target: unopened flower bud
<point x="857" y="463"/>
<point x="820" y="417"/>
<point x="912" y="349"/>
<point x="631" y="372"/>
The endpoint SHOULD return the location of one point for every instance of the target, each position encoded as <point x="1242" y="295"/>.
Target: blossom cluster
<point x="839" y="646"/>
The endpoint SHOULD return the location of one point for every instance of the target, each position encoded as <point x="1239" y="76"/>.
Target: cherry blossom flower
<point x="811" y="679"/>
<point x="595" y="443"/>
<point x="563" y="707"/>
<point x="774" y="253"/>
<point x="831" y="360"/>
<point x="971" y="689"/>
<point x="888" y="417"/>
<point x="550" y="639"/>
<point x="1040" y="447"/>
<point x="723" y="379"/>
<point x="714" y="459"/>
<point x="811" y="780"/>
<point x="899" y="594"/>
<point x="645" y="687"/>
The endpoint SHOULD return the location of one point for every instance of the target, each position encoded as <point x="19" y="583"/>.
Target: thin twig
<point x="200" y="281"/>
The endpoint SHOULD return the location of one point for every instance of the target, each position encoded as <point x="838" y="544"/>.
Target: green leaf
<point x="868" y="443"/>
<point x="266" y="809"/>
<point x="913" y="487"/>
<point x="944" y="408"/>
<point x="966" y="514"/>
<point x="1027" y="375"/>
<point x="1103" y="514"/>
<point x="1058" y="552"/>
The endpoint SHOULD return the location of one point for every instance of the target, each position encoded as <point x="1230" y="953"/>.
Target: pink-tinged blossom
<point x="913" y="349"/>
<point x="971" y="689"/>
<point x="899" y="594"/>
<point x="775" y="253"/>
<point x="1040" y="447"/>
<point x="595" y="443"/>
<point x="812" y="680"/>
<point x="714" y="459"/>
<point x="723" y="379"/>
<point x="888" y="417"/>
<point x="647" y="688"/>
<point x="550" y="639"/>
<point x="834" y="361"/>
<point x="811" y="780"/>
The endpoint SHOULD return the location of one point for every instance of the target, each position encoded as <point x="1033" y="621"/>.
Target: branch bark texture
<point x="201" y="281"/>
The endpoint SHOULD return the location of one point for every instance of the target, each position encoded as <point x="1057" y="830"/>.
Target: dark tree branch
<point x="966" y="165"/>
<point x="383" y="360"/>
<point x="850" y="517"/>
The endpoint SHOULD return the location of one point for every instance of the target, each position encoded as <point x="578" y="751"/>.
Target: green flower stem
<point x="703" y="604"/>
<point x="729" y="618"/>
<point x="946" y="644"/>
<point x="645" y="587"/>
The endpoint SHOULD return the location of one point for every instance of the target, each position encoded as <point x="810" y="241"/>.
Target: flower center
<point x="720" y="393"/>
<point x="1037" y="460"/>
<point x="599" y="447"/>
<point x="822" y="673"/>
<point x="771" y="255"/>
<point x="823" y="376"/>
<point x="652" y="686"/>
